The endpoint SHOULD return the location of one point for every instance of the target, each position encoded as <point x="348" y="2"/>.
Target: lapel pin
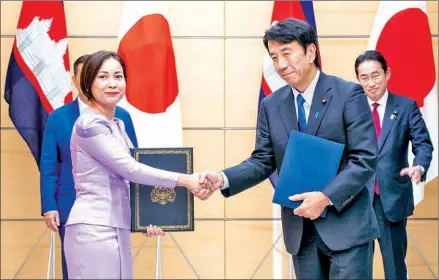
<point x="394" y="115"/>
<point x="316" y="115"/>
<point x="324" y="101"/>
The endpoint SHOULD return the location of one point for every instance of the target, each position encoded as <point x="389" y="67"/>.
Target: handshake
<point x="203" y="185"/>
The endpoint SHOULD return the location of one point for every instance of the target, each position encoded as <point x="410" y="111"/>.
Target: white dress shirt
<point x="382" y="106"/>
<point x="82" y="105"/>
<point x="307" y="95"/>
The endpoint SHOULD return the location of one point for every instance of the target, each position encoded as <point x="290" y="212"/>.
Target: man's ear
<point x="388" y="73"/>
<point x="312" y="50"/>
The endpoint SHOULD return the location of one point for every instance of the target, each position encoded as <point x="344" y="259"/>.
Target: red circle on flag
<point x="152" y="84"/>
<point x="406" y="43"/>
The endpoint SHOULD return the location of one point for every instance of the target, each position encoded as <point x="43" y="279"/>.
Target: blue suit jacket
<point x="345" y="118"/>
<point x="396" y="191"/>
<point x="56" y="179"/>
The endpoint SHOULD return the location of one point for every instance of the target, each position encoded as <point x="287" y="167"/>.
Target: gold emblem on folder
<point x="163" y="195"/>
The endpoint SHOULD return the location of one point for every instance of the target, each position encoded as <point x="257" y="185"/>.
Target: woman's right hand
<point x="153" y="230"/>
<point x="193" y="184"/>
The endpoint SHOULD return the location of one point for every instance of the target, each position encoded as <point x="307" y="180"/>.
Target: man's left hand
<point x="312" y="206"/>
<point x="413" y="172"/>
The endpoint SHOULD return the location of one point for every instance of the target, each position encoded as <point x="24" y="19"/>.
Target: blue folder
<point x="310" y="163"/>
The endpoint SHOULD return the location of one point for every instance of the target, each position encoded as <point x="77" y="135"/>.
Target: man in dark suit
<point x="56" y="179"/>
<point x="398" y="121"/>
<point x="339" y="245"/>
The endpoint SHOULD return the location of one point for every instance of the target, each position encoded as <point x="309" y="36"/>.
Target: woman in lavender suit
<point x="97" y="237"/>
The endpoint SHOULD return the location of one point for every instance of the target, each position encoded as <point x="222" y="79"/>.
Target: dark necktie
<point x="301" y="120"/>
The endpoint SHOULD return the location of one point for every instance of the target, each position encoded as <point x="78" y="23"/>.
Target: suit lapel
<point x="66" y="122"/>
<point x="388" y="122"/>
<point x="72" y="113"/>
<point x="287" y="110"/>
<point x="124" y="134"/>
<point x="121" y="124"/>
<point x="320" y="103"/>
<point x="75" y="109"/>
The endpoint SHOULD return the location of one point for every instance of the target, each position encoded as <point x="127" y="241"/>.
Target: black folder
<point x="170" y="209"/>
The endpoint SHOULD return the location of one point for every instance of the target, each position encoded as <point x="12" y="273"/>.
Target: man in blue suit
<point x="56" y="179"/>
<point x="338" y="246"/>
<point x="398" y="121"/>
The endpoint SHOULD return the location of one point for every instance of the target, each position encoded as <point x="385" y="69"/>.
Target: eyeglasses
<point x="375" y="77"/>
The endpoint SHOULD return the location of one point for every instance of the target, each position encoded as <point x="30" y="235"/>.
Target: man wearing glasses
<point x="397" y="121"/>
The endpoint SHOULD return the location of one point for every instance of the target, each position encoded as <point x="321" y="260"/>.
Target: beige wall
<point x="218" y="50"/>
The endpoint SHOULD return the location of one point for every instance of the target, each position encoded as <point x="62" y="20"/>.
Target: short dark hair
<point x="371" y="55"/>
<point x="290" y="30"/>
<point x="91" y="68"/>
<point x="79" y="60"/>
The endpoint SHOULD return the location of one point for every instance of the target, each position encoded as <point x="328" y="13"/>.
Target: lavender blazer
<point x="102" y="170"/>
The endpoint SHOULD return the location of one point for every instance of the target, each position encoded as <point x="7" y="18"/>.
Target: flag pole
<point x="290" y="259"/>
<point x="51" y="260"/>
<point x="158" y="269"/>
<point x="52" y="236"/>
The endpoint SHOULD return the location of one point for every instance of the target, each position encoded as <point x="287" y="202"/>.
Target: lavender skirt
<point x="98" y="252"/>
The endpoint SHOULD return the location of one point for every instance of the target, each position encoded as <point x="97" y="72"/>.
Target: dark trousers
<point x="61" y="231"/>
<point x="393" y="243"/>
<point x="316" y="261"/>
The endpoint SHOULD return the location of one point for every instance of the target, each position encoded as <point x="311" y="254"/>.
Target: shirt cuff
<point x="50" y="212"/>
<point x="226" y="181"/>
<point x="421" y="168"/>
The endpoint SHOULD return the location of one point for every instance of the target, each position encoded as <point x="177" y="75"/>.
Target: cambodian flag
<point x="38" y="77"/>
